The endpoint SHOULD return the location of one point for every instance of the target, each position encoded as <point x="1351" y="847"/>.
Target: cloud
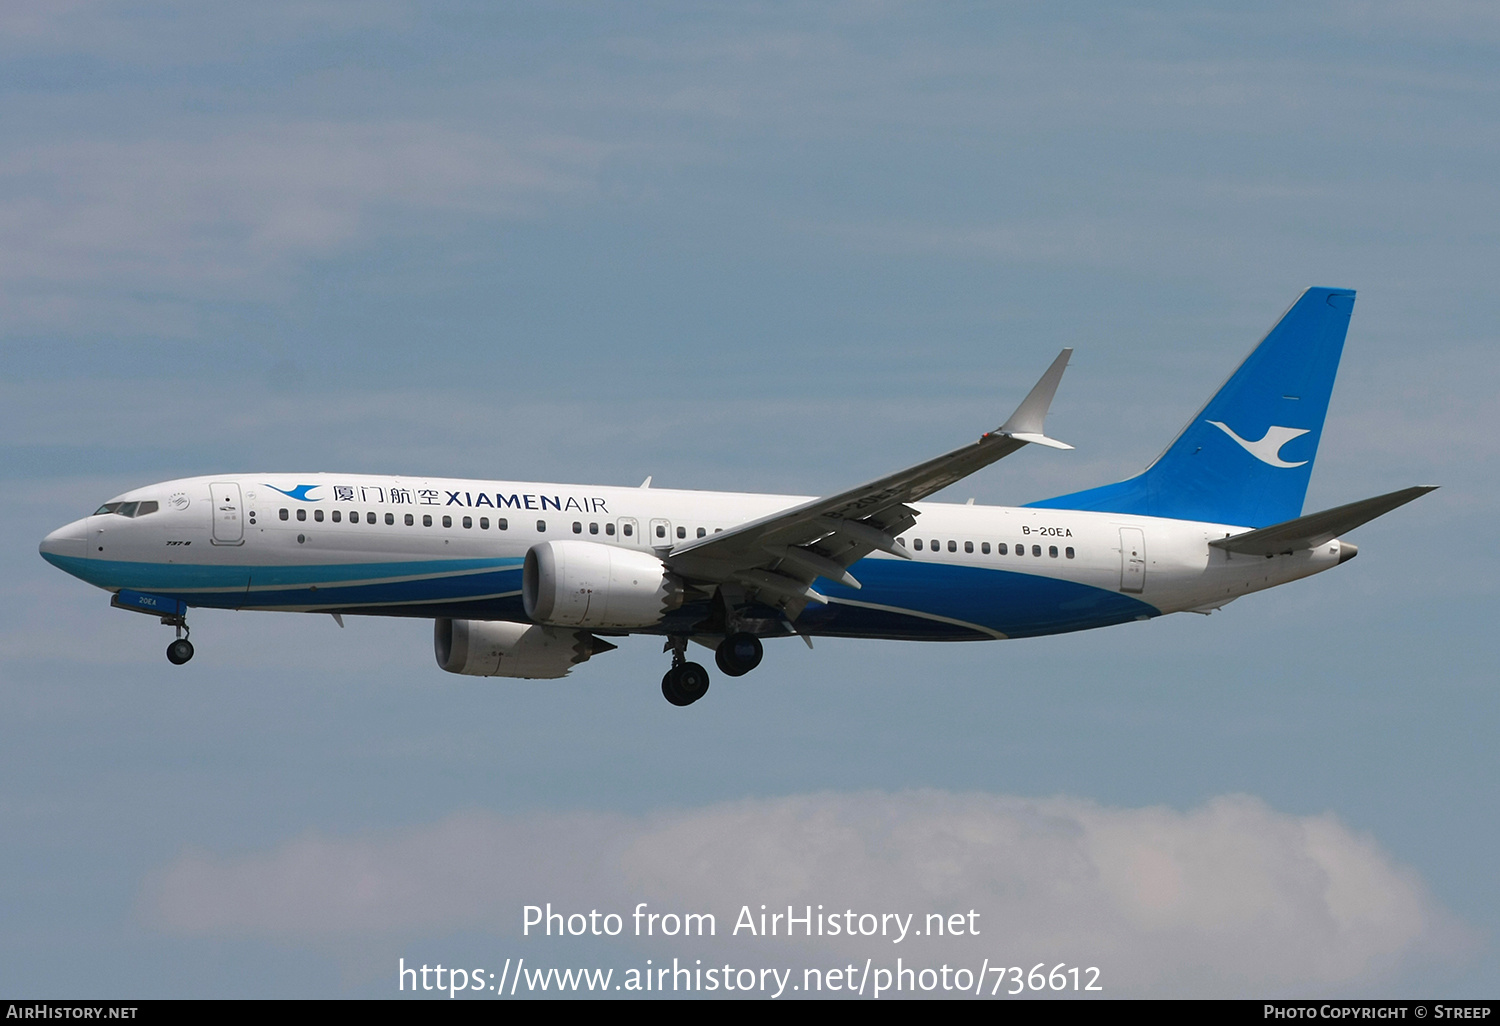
<point x="224" y="214"/>
<point x="1229" y="898"/>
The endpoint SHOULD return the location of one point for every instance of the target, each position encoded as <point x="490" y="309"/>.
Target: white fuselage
<point x="449" y="547"/>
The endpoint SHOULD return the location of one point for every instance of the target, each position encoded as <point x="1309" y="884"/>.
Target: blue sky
<point x="770" y="248"/>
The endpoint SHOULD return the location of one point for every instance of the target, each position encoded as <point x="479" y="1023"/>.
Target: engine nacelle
<point x="496" y="648"/>
<point x="587" y="584"/>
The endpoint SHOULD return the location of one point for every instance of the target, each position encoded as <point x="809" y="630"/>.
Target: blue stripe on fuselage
<point x="920" y="599"/>
<point x="190" y="580"/>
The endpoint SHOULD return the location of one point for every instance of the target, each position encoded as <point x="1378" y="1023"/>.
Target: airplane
<point x="528" y="580"/>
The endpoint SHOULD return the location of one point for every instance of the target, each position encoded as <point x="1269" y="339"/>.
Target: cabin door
<point x="229" y="513"/>
<point x="1132" y="560"/>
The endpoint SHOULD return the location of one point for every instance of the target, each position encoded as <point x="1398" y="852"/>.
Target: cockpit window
<point x="129" y="509"/>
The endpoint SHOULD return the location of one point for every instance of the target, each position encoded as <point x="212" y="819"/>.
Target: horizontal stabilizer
<point x="1316" y="528"/>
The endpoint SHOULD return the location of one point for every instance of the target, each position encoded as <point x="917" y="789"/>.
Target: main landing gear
<point x="687" y="682"/>
<point x="738" y="654"/>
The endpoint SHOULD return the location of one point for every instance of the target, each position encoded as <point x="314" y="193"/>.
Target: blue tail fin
<point x="1247" y="456"/>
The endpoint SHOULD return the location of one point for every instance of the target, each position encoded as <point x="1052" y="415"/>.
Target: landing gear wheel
<point x="669" y="688"/>
<point x="685" y="684"/>
<point x="738" y="654"/>
<point x="692" y="682"/>
<point x="179" y="651"/>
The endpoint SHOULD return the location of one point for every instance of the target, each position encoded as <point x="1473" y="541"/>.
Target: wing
<point x="777" y="557"/>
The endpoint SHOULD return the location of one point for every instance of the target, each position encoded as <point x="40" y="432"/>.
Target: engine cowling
<point x="587" y="584"/>
<point x="492" y="648"/>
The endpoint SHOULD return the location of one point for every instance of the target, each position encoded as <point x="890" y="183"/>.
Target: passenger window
<point x="917" y="544"/>
<point x="484" y="523"/>
<point x="609" y="529"/>
<point x="1003" y="549"/>
<point x="984" y="547"/>
<point x="370" y="517"/>
<point x="447" y="521"/>
<point x="468" y="523"/>
<point x="968" y="546"/>
<point x="682" y="532"/>
<point x="718" y="530"/>
<point x="390" y="519"/>
<point x="1036" y="550"/>
<point x="952" y="545"/>
<point x="702" y="532"/>
<point x="503" y="524"/>
<point x="935" y="546"/>
<point x="541" y="527"/>
<point x="354" y="516"/>
<point x="577" y="527"/>
<point x="426" y="519"/>
<point x="318" y="515"/>
<point x="301" y="514"/>
<point x="1021" y="549"/>
<point x="594" y="528"/>
<point x="337" y="516"/>
<point x="1052" y="551"/>
<point x="628" y="530"/>
<point x="284" y="513"/>
<point x="661" y="530"/>
<point x="411" y="521"/>
<point x="1068" y="552"/>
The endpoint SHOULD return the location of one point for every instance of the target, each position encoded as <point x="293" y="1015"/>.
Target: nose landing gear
<point x="181" y="650"/>
<point x="173" y="613"/>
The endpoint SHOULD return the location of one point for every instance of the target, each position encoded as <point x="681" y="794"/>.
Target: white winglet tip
<point x="1032" y="413"/>
<point x="1035" y="439"/>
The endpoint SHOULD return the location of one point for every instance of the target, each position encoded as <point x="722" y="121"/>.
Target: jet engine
<point x="586" y="584"/>
<point x="496" y="648"/>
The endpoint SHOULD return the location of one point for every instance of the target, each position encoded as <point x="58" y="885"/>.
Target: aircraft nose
<point x="67" y="542"/>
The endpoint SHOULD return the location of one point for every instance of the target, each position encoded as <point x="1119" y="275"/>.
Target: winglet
<point x="1028" y="423"/>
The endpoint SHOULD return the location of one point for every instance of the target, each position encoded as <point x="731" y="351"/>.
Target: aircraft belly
<point x="964" y="602"/>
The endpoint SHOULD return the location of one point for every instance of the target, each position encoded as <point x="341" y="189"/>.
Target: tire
<point x="738" y="654"/>
<point x="670" y="691"/>
<point x="691" y="682"/>
<point x="179" y="651"/>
